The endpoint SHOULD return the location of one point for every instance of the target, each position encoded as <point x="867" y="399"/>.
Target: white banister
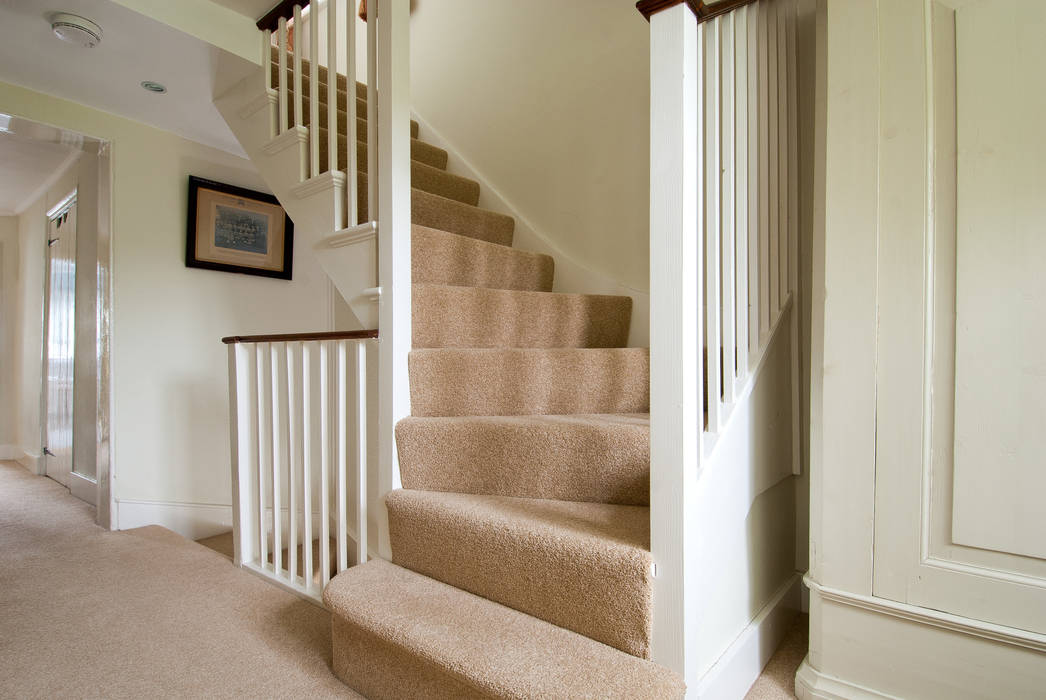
<point x="332" y="90"/>
<point x="299" y="399"/>
<point x="728" y="267"/>
<point x="708" y="39"/>
<point x="743" y="131"/>
<point x="373" y="166"/>
<point x="282" y="105"/>
<point x="314" y="92"/>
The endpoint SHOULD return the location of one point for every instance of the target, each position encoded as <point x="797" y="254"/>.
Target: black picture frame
<point x="243" y="231"/>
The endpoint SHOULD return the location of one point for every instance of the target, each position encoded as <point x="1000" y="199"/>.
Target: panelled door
<point x="960" y="518"/>
<point x="59" y="343"/>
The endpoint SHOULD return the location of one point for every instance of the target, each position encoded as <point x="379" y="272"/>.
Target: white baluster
<point x="314" y="88"/>
<point x="783" y="166"/>
<point x="774" y="152"/>
<point x="332" y="88"/>
<point x="373" y="166"/>
<point x="710" y="106"/>
<point x="729" y="210"/>
<point x="282" y="105"/>
<point x="742" y="131"/>
<point x="764" y="179"/>
<point x="277" y="459"/>
<point x="293" y="465"/>
<point x="325" y="418"/>
<point x="264" y="449"/>
<point x="351" y="164"/>
<point x="361" y="451"/>
<point x="306" y="434"/>
<point x="267" y="65"/>
<point x="343" y="455"/>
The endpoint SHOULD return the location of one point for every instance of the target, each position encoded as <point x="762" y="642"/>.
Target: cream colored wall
<point x="170" y="410"/>
<point x="8" y="336"/>
<point x="549" y="102"/>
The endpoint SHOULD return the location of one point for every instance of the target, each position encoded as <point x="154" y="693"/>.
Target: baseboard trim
<point x="811" y="684"/>
<point x="934" y="618"/>
<point x="740" y="665"/>
<point x="190" y="520"/>
<point x="34" y="463"/>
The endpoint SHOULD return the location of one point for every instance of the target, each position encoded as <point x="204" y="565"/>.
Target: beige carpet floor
<point x="86" y="613"/>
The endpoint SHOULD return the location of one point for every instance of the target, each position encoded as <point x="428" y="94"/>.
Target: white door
<point x="59" y="345"/>
<point x="960" y="524"/>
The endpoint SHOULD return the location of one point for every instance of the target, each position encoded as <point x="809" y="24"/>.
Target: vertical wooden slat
<point x="711" y="108"/>
<point x="314" y="90"/>
<point x="774" y="152"/>
<point x="763" y="284"/>
<point x="325" y="421"/>
<point x="373" y="166"/>
<point x="361" y="451"/>
<point x="264" y="450"/>
<point x="351" y="164"/>
<point x="298" y="97"/>
<point x="277" y="459"/>
<point x="267" y="65"/>
<point x="332" y="88"/>
<point x="294" y="451"/>
<point x="793" y="148"/>
<point x="783" y="167"/>
<point x="728" y="199"/>
<point x="742" y="193"/>
<point x="282" y="106"/>
<point x="342" y="424"/>
<point x="306" y="454"/>
<point x="755" y="161"/>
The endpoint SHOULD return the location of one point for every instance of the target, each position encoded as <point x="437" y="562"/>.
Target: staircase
<point x="520" y="540"/>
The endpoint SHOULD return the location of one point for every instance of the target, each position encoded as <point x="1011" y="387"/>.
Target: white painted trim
<point x="265" y="572"/>
<point x="34" y="463"/>
<point x="811" y="684"/>
<point x="268" y="98"/>
<point x="84" y="488"/>
<point x="742" y="662"/>
<point x="191" y="520"/>
<point x="58" y="172"/>
<point x="364" y="233"/>
<point x="933" y="618"/>
<point x="295" y="136"/>
<point x="321" y="183"/>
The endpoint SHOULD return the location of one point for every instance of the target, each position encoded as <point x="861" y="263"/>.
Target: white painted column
<point x="675" y="332"/>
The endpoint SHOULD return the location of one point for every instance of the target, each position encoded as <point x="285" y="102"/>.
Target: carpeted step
<point x="398" y="634"/>
<point x="598" y="458"/>
<point x="514" y="381"/>
<point x="581" y="566"/>
<point x="477" y="317"/>
<point x="361" y="119"/>
<point x="441" y="257"/>
<point x="361" y="88"/>
<point x="419" y="151"/>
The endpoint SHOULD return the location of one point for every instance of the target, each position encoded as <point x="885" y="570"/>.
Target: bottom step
<point x="399" y="634"/>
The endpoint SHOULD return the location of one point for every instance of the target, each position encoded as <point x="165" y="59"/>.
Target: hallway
<point x="140" y="613"/>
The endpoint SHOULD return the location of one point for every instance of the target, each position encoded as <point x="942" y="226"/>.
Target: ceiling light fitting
<point x="76" y="30"/>
<point x="153" y="87"/>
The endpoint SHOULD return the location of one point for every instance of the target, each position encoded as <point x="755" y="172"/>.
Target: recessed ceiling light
<point x="153" y="87"/>
<point x="76" y="30"/>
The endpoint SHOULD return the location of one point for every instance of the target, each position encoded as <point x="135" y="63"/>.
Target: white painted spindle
<point x="314" y="89"/>
<point x="332" y="88"/>
<point x="372" y="112"/>
<point x="264" y="450"/>
<point x="325" y="503"/>
<point x="298" y="97"/>
<point x="774" y="152"/>
<point x="361" y="452"/>
<point x="294" y="450"/>
<point x="710" y="105"/>
<point x="267" y="65"/>
<point x="341" y="425"/>
<point x="306" y="452"/>
<point x="754" y="182"/>
<point x="783" y="179"/>
<point x="277" y="459"/>
<point x="351" y="156"/>
<point x="729" y="208"/>
<point x="742" y="135"/>
<point x="282" y="105"/>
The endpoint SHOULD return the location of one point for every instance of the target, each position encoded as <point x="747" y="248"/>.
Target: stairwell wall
<point x="169" y="426"/>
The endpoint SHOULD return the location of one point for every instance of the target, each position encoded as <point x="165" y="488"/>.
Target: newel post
<point x="675" y="329"/>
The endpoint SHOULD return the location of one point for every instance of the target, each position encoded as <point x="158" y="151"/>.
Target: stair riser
<point x="419" y="151"/>
<point x="521" y="382"/>
<point x="469" y="317"/>
<point x="361" y="89"/>
<point x="585" y="584"/>
<point x="439" y="257"/>
<point x="586" y="462"/>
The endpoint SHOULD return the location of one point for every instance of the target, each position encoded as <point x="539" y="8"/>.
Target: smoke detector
<point x="76" y="30"/>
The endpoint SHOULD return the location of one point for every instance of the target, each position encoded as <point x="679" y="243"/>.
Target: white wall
<point x="549" y="102"/>
<point x="170" y="415"/>
<point x="8" y="313"/>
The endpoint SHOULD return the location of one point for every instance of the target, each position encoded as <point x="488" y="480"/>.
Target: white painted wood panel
<point x="1000" y="368"/>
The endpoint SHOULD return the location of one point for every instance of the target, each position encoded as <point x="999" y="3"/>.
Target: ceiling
<point x="27" y="167"/>
<point x="255" y="9"/>
<point x="133" y="48"/>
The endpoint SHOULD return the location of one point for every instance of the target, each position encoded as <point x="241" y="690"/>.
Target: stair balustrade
<point x="299" y="418"/>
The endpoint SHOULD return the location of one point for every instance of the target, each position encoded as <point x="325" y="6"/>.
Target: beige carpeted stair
<point x="520" y="542"/>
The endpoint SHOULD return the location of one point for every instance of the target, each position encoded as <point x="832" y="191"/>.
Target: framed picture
<point x="233" y="229"/>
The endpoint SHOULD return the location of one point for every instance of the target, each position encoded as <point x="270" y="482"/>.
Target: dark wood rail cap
<point x="294" y="337"/>
<point x="702" y="10"/>
<point x="271" y="19"/>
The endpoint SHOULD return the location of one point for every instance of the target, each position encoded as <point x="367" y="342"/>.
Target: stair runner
<point x="520" y="541"/>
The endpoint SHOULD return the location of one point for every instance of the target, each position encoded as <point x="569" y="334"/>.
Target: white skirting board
<point x="33" y="463"/>
<point x="812" y="685"/>
<point x="191" y="520"/>
<point x="740" y="665"/>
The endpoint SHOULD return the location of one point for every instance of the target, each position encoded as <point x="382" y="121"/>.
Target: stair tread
<point x="475" y="317"/>
<point x="581" y="566"/>
<point x="489" y="649"/>
<point x="524" y="381"/>
<point x="445" y="214"/>
<point x="603" y="458"/>
<point x="445" y="257"/>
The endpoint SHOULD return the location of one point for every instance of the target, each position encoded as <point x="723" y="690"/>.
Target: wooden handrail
<point x="271" y="19"/>
<point x="702" y="10"/>
<point x="296" y="337"/>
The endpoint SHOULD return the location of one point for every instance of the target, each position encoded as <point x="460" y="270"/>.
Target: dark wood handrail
<point x="702" y="10"/>
<point x="294" y="337"/>
<point x="271" y="19"/>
